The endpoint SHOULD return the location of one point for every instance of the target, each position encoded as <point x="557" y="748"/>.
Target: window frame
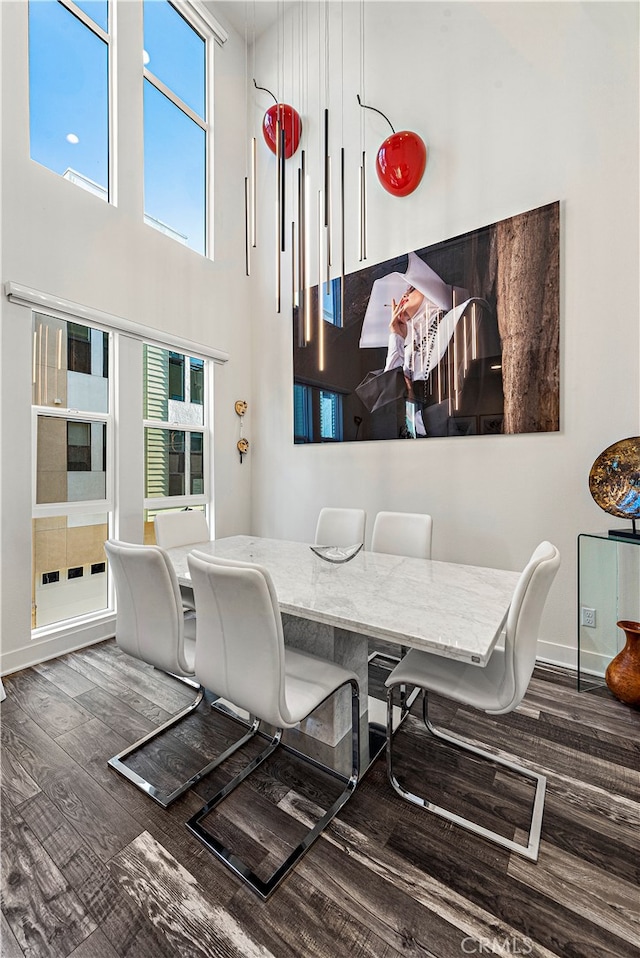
<point x="188" y="10"/>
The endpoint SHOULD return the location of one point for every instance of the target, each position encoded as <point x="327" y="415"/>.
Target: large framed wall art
<point x="460" y="338"/>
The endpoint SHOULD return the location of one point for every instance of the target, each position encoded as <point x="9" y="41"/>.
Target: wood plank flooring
<point x="92" y="868"/>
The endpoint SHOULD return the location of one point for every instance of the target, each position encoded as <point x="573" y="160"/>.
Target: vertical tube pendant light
<point x="342" y="250"/>
<point x="300" y="262"/>
<point x="342" y="180"/>
<point x="293" y="270"/>
<point x="327" y="155"/>
<point x="451" y="370"/>
<point x="362" y="246"/>
<point x="247" y="236"/>
<point x="308" y="321"/>
<point x="247" y="214"/>
<point x="253" y="192"/>
<point x="327" y="198"/>
<point x="282" y="191"/>
<point x="278" y="217"/>
<point x="438" y="367"/>
<point x="321" y="207"/>
<point x="474" y="332"/>
<point x="326" y="164"/>
<point x="320" y="316"/>
<point x="363" y="207"/>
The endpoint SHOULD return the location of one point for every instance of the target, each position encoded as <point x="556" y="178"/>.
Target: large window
<point x="175" y="125"/>
<point x="69" y="90"/>
<point x="77" y="441"/>
<point x="73" y="486"/>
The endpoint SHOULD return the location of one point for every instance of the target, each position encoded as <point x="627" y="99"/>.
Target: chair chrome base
<point x="166" y="798"/>
<point x="265" y="887"/>
<point x="530" y="850"/>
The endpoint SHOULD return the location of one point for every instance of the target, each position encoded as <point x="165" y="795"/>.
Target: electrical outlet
<point x="588" y="617"/>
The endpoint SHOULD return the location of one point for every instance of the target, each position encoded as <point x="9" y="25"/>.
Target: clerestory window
<point x="69" y="90"/>
<point x="176" y="126"/>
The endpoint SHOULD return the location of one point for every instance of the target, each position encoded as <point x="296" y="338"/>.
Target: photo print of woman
<point x="456" y="339"/>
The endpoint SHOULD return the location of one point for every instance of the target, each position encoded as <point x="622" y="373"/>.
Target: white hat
<point x="375" y="326"/>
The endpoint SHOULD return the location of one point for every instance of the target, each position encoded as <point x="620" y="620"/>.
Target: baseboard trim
<point x="50" y="647"/>
<point x="557" y="654"/>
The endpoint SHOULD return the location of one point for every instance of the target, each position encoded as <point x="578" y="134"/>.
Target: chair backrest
<point x="402" y="534"/>
<point x="340" y="527"/>
<point x="181" y="528"/>
<point x="523" y="622"/>
<point x="149" y="623"/>
<point x="239" y="638"/>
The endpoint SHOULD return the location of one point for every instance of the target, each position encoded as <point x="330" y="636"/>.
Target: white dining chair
<point x="182" y="528"/>
<point x="497" y="688"/>
<point x="151" y="626"/>
<point x="402" y="534"/>
<point x="340" y="527"/>
<point x="240" y="655"/>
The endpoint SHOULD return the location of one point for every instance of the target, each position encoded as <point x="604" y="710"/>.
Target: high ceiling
<point x="254" y="16"/>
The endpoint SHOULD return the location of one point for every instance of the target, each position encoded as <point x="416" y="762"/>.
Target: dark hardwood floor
<point x="93" y="868"/>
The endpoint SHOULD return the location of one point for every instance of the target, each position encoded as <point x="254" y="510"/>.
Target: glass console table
<point x="608" y="591"/>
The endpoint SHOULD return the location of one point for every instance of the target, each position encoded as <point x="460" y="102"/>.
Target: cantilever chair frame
<point x="265" y="887"/>
<point x="162" y="797"/>
<point x="531" y="849"/>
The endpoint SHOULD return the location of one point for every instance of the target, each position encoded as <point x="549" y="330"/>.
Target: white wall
<point x="63" y="241"/>
<point x="520" y="104"/>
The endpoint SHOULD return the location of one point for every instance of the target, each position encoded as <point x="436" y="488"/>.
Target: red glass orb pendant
<point x="400" y="162"/>
<point x="291" y="123"/>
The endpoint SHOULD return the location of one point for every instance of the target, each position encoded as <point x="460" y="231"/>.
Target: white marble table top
<point x="442" y="607"/>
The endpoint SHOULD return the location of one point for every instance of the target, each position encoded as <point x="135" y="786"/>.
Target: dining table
<point x="333" y="609"/>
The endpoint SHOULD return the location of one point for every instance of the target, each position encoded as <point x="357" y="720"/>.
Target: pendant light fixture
<point x="401" y="159"/>
<point x="250" y="190"/>
<point x="287" y="119"/>
<point x="248" y="216"/>
<point x="362" y="171"/>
